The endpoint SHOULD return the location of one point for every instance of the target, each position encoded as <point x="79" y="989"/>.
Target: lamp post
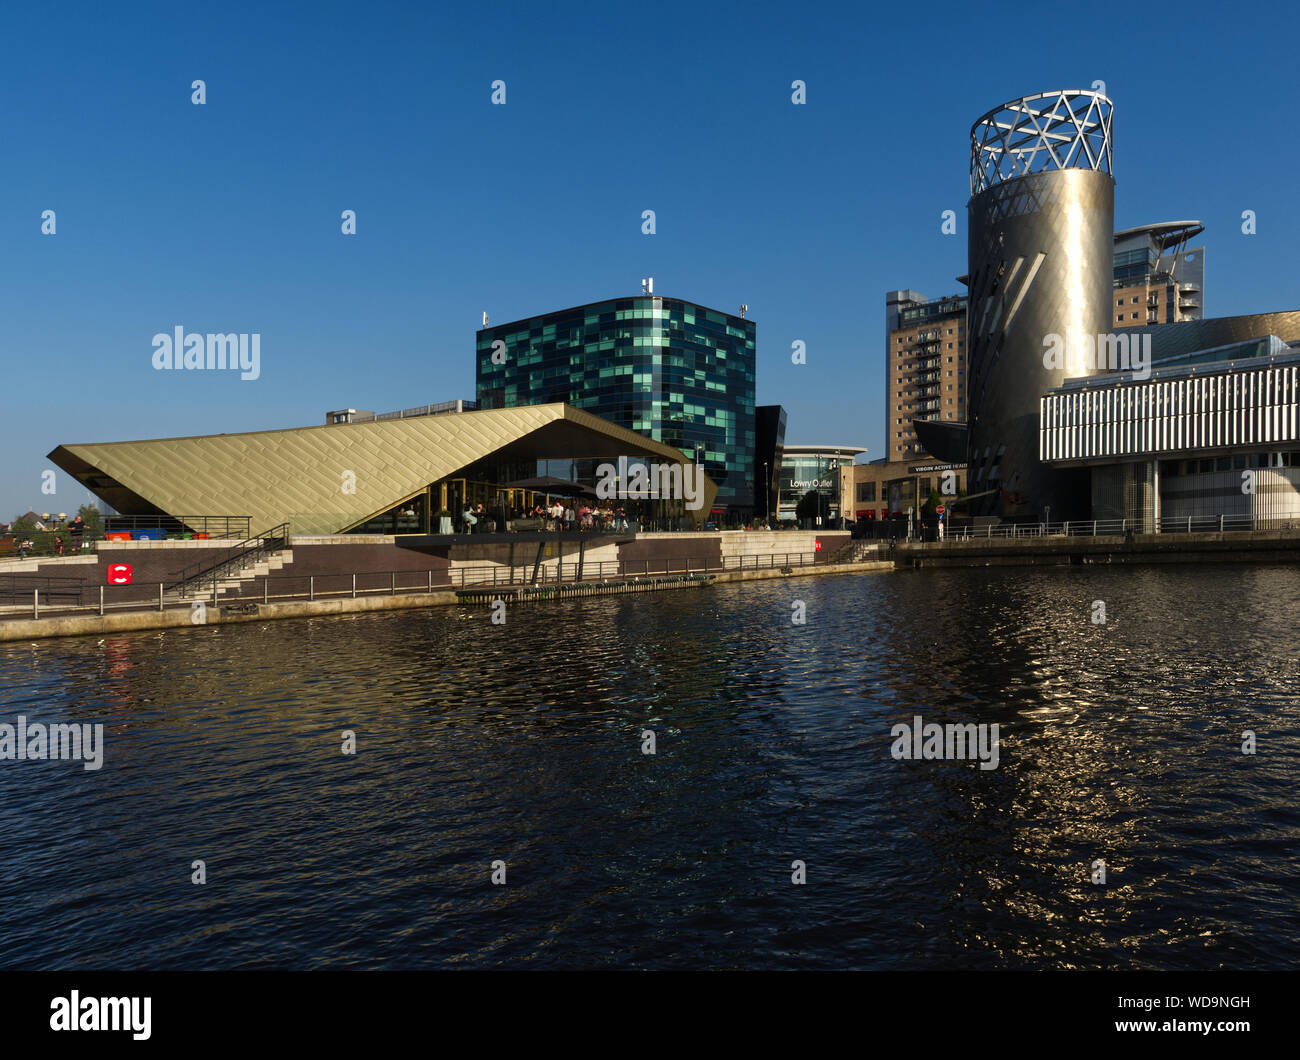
<point x="767" y="493"/>
<point x="832" y="467"/>
<point x="699" y="468"/>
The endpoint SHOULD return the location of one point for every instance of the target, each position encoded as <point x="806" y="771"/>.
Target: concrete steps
<point x="238" y="583"/>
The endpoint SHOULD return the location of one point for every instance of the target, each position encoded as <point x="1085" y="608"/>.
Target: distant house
<point x="34" y="519"/>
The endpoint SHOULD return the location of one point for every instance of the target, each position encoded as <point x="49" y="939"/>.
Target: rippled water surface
<point x="522" y="743"/>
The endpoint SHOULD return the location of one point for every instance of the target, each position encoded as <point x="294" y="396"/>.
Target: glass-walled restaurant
<point x="510" y="492"/>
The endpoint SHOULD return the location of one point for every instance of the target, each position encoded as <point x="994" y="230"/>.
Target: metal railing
<point x="1191" y="524"/>
<point x="19" y="588"/>
<point x="206" y="575"/>
<point x="277" y="588"/>
<point x="221" y="526"/>
<point x="44" y="543"/>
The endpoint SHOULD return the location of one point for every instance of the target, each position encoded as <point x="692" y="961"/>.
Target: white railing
<point x="1191" y="524"/>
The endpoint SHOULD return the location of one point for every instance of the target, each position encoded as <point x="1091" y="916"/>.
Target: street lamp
<point x="833" y="466"/>
<point x="699" y="467"/>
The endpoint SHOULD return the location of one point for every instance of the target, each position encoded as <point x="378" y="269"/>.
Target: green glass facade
<point x="674" y="371"/>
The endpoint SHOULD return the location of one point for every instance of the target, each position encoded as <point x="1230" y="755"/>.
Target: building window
<point x="866" y="492"/>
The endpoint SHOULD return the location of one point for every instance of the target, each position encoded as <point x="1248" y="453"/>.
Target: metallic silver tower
<point x="1041" y="224"/>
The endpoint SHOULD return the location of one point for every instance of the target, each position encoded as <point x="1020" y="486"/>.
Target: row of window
<point x="1237" y="462"/>
<point x="1199" y="412"/>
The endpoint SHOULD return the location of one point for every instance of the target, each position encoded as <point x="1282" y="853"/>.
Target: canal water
<point x="1120" y="741"/>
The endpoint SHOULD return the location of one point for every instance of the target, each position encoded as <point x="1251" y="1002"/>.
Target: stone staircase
<point x="236" y="583"/>
<point x="856" y="551"/>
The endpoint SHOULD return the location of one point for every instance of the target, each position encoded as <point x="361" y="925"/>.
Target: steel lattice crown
<point x="1066" y="129"/>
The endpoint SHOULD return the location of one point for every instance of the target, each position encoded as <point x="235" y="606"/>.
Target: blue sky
<point x="225" y="217"/>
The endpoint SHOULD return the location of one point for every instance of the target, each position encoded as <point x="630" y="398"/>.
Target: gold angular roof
<point x="297" y="475"/>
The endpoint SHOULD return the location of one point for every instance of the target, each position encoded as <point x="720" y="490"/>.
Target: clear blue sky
<point x="225" y="217"/>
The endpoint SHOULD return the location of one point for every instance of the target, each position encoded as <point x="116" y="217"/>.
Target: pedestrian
<point x="58" y="545"/>
<point x="468" y="517"/>
<point x="76" y="529"/>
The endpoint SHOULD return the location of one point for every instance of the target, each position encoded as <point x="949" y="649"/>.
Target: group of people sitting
<point x="475" y="519"/>
<point x="560" y="516"/>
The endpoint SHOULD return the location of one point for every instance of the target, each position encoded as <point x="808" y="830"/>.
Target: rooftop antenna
<point x="743" y="310"/>
<point x="485" y="319"/>
<point x="648" y="285"/>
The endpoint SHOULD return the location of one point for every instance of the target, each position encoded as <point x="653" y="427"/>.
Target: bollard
<point x="311" y="588"/>
<point x="101" y="601"/>
<point x="354" y="586"/>
<point x="266" y="590"/>
<point x="36" y="603"/>
<point x="160" y="596"/>
<point x="394" y="585"/>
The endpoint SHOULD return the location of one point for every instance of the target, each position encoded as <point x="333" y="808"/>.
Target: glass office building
<point x="673" y="371"/>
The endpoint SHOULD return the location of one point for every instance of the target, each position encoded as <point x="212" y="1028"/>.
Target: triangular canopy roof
<point x="297" y="475"/>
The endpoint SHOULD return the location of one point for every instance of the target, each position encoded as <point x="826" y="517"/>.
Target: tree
<point x="809" y="506"/>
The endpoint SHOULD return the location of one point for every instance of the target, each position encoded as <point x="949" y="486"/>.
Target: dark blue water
<point x="522" y="743"/>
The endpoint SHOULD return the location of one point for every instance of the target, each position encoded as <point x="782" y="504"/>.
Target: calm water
<point x="521" y="743"/>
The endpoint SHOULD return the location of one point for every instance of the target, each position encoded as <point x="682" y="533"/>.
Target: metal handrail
<point x="447" y="579"/>
<point x="238" y="557"/>
<point x="1181" y="524"/>
<point x="177" y="523"/>
<point x="21" y="584"/>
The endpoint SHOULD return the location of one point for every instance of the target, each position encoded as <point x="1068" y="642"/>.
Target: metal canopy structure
<point x="1065" y="129"/>
<point x="328" y="479"/>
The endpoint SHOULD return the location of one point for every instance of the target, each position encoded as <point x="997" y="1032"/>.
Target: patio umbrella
<point x="548" y="484"/>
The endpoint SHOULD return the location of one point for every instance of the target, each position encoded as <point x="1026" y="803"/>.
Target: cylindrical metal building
<point x="1041" y="224"/>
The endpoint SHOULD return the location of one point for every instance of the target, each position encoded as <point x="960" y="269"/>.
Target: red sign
<point x="939" y="509"/>
<point x="119" y="574"/>
<point x="817" y="546"/>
